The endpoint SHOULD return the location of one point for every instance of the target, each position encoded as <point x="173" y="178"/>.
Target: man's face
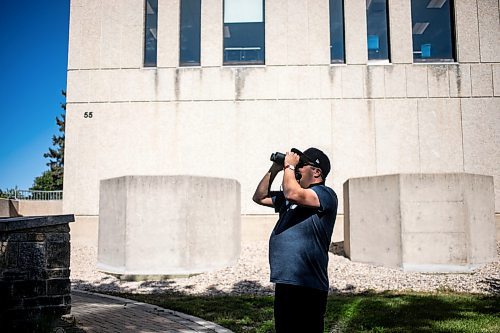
<point x="309" y="174"/>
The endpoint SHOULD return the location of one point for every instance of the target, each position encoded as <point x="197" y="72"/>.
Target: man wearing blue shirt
<point x="298" y="246"/>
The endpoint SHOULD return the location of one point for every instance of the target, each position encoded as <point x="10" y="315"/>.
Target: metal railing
<point x="35" y="195"/>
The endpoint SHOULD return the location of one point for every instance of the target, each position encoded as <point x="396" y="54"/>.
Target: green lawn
<point x="386" y="312"/>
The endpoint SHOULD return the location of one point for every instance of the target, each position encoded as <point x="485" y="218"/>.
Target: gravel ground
<point x="251" y="276"/>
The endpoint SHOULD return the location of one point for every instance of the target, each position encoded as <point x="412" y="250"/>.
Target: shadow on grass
<point x="252" y="311"/>
<point x="413" y="313"/>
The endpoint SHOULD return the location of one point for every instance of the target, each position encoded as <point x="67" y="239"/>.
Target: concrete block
<point x="399" y="16"/>
<point x="189" y="83"/>
<point x="416" y="81"/>
<point x="78" y="86"/>
<point x="216" y="83"/>
<point x="276" y="21"/>
<point x="439" y="83"/>
<point x="297" y="36"/>
<point x="466" y="25"/>
<point x="374" y="82"/>
<point x="131" y="84"/>
<point x="372" y="231"/>
<point x="257" y="83"/>
<point x="319" y="40"/>
<point x="211" y="33"/>
<point x="91" y="35"/>
<point x="467" y="33"/>
<point x="111" y="46"/>
<point x="440" y="135"/>
<point x="355" y="32"/>
<point x="100" y="85"/>
<point x="308" y="84"/>
<point x="481" y="203"/>
<point x="75" y="35"/>
<point x="147" y="228"/>
<point x="352" y="81"/>
<point x="489" y="30"/>
<point x="481" y="139"/>
<point x="496" y="80"/>
<point x="482" y="80"/>
<point x="331" y="81"/>
<point x="168" y="33"/>
<point x="448" y="252"/>
<point x="397" y="140"/>
<point x="421" y="222"/>
<point x="132" y="34"/>
<point x="395" y="81"/>
<point x="460" y="80"/>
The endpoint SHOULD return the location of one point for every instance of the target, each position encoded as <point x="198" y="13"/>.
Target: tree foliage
<point x="52" y="179"/>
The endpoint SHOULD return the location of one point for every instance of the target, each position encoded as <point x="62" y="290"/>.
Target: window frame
<point x="453" y="40"/>
<point x="343" y="60"/>
<point x="245" y="63"/>
<point x="387" y="18"/>
<point x="153" y="63"/>
<point x="189" y="64"/>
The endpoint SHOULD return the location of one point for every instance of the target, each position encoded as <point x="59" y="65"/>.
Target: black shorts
<point x="299" y="309"/>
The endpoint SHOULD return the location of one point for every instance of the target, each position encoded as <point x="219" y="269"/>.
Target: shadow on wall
<point x="9" y="208"/>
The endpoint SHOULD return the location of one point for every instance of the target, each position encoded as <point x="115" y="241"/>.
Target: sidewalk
<point x="103" y="313"/>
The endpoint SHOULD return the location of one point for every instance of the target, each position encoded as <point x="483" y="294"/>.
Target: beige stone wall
<point x="225" y="121"/>
<point x="40" y="207"/>
<point x="9" y="208"/>
<point x="13" y="208"/>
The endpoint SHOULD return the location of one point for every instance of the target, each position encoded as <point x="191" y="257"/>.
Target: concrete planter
<point x="168" y="225"/>
<point x="421" y="222"/>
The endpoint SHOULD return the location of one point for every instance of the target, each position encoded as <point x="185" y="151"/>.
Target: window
<point x="377" y="29"/>
<point x="337" y="31"/>
<point x="190" y="32"/>
<point x="150" y="33"/>
<point x="243" y="32"/>
<point x="432" y="27"/>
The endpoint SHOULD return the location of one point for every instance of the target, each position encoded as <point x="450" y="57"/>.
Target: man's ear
<point x="318" y="173"/>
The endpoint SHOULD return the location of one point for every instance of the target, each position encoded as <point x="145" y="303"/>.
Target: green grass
<point x="386" y="312"/>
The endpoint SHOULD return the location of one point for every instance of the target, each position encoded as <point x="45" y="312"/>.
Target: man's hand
<point x="291" y="159"/>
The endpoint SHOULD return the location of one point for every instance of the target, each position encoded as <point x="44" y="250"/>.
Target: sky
<point x="33" y="58"/>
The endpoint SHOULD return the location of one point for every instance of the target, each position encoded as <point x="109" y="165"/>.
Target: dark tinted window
<point x="337" y="31"/>
<point x="150" y="33"/>
<point x="243" y="32"/>
<point x="190" y="32"/>
<point x="377" y="29"/>
<point x="432" y="30"/>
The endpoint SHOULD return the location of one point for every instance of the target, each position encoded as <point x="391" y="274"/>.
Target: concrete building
<point x="166" y="88"/>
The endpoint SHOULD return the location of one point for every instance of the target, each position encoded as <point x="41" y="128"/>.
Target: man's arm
<point x="291" y="188"/>
<point x="261" y="195"/>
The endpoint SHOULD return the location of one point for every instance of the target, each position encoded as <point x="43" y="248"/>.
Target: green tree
<point x="52" y="179"/>
<point x="7" y="193"/>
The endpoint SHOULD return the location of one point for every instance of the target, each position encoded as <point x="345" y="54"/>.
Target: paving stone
<point x="102" y="313"/>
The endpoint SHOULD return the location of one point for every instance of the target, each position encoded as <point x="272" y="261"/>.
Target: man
<point x="298" y="246"/>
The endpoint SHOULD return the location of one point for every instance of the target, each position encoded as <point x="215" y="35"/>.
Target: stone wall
<point x="34" y="272"/>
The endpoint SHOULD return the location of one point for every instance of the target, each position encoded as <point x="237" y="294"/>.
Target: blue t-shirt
<point x="299" y="243"/>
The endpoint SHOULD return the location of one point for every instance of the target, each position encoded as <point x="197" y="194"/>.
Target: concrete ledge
<point x="421" y="222"/>
<point x="168" y="225"/>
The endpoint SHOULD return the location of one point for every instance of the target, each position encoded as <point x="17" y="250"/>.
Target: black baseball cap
<point x="316" y="157"/>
